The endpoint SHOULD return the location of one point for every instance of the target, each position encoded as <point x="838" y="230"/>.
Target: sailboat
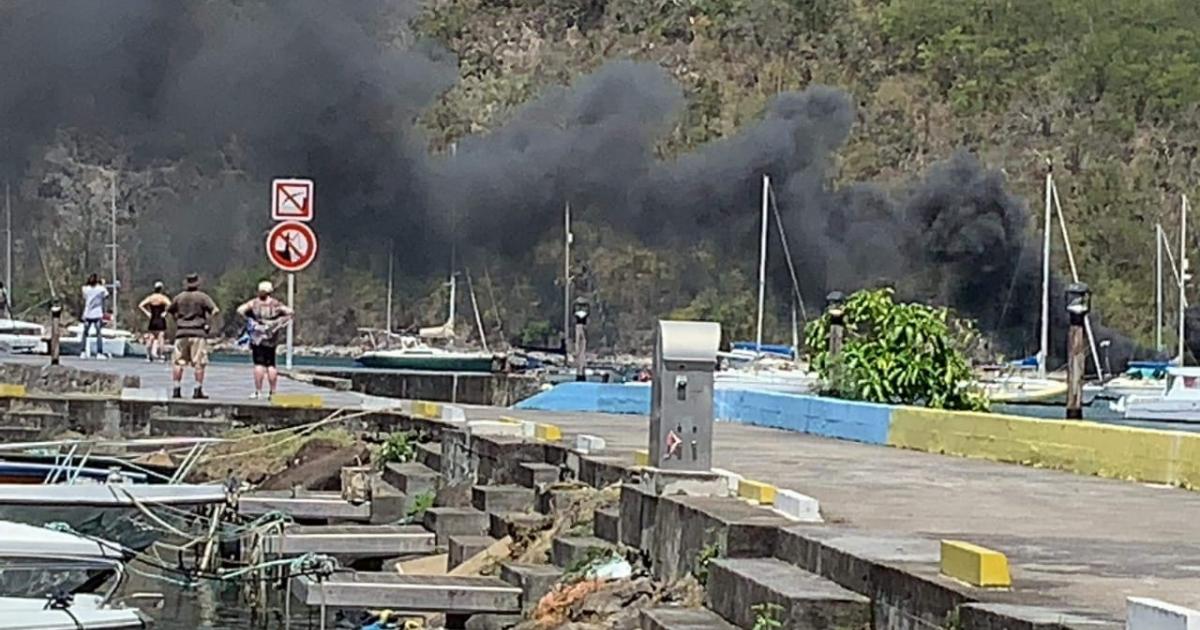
<point x="413" y="352"/>
<point x="1026" y="381"/>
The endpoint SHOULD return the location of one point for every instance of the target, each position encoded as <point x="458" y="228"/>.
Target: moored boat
<point x="1179" y="400"/>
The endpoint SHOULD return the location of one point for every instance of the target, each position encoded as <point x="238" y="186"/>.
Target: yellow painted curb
<point x="427" y="410"/>
<point x="641" y="458"/>
<point x="975" y="565"/>
<point x="763" y="493"/>
<point x="548" y="432"/>
<point x="11" y="390"/>
<point x="297" y="400"/>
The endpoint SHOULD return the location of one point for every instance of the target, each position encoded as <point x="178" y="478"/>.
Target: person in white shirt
<point x="94" y="295"/>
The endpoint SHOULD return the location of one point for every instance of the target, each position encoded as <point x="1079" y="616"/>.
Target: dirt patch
<point x="255" y="457"/>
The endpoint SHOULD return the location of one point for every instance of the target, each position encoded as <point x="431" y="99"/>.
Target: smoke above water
<point x="315" y="87"/>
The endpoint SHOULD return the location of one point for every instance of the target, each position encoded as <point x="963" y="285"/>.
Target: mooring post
<point x="835" y="305"/>
<point x="55" y="315"/>
<point x="582" y="308"/>
<point x="1079" y="303"/>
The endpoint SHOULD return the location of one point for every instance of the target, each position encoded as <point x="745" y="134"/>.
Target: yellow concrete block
<point x="427" y="410"/>
<point x="297" y="400"/>
<point x="12" y="390"/>
<point x="975" y="565"/>
<point x="763" y="493"/>
<point x="548" y="432"/>
<point x="641" y="458"/>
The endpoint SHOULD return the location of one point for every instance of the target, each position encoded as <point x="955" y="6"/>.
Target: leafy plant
<point x="398" y="448"/>
<point x="704" y="558"/>
<point x="420" y="504"/>
<point x="909" y="354"/>
<point x="767" y="615"/>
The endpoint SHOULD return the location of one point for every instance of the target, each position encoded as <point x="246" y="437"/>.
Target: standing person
<point x="155" y="308"/>
<point x="5" y="305"/>
<point x="191" y="310"/>
<point x="94" y="294"/>
<point x="267" y="316"/>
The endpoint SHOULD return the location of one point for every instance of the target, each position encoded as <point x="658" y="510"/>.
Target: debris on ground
<point x="256" y="457"/>
<point x="574" y="512"/>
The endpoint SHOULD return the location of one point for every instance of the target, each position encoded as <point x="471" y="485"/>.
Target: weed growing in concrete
<point x="420" y="503"/>
<point x="703" y="558"/>
<point x="398" y="448"/>
<point x="767" y="616"/>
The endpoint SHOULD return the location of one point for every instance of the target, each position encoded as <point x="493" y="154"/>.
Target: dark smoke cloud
<point x="309" y="87"/>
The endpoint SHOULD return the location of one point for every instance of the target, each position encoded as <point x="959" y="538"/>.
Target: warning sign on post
<point x="291" y="246"/>
<point x="292" y="200"/>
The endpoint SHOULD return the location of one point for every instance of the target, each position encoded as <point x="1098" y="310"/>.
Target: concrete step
<point x="429" y="454"/>
<point x="410" y="593"/>
<point x="411" y="478"/>
<point x="352" y="541"/>
<point x="606" y="524"/>
<point x="41" y="405"/>
<point x="502" y="498"/>
<point x="534" y="580"/>
<point x="570" y="551"/>
<point x="556" y="498"/>
<point x="445" y="522"/>
<point x="736" y="586"/>
<point x="307" y="506"/>
<point x="19" y="434"/>
<point x="463" y="548"/>
<point x="532" y="474"/>
<point x="388" y="505"/>
<point x="683" y="619"/>
<point x="189" y="426"/>
<point x="30" y="419"/>
<point x="516" y="524"/>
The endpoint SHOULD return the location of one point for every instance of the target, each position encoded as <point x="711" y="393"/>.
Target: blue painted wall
<point x="861" y="422"/>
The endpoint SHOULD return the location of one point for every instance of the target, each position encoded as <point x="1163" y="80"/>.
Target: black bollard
<point x="1079" y="303"/>
<point x="55" y="315"/>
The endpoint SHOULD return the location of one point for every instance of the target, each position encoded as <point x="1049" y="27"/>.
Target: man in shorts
<point x="191" y="310"/>
<point x="267" y="317"/>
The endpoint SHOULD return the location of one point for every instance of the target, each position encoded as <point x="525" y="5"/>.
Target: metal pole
<point x="762" y="263"/>
<point x="1087" y="322"/>
<point x="1183" y="277"/>
<point x="1158" y="288"/>
<point x="8" y="286"/>
<point x="567" y="238"/>
<point x="1045" y="333"/>
<point x="291" y="300"/>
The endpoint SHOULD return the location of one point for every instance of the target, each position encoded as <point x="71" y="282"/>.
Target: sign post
<point x="292" y="247"/>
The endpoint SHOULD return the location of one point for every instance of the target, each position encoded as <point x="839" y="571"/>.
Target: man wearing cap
<point x="191" y="310"/>
<point x="267" y="317"/>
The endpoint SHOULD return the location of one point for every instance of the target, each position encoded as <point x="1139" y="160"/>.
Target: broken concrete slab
<point x="558" y="497"/>
<point x="686" y="529"/>
<point x="317" y="465"/>
<point x="736" y="586"/>
<point x="516" y="524"/>
<point x="445" y="522"/>
<point x="600" y="471"/>
<point x="534" y="580"/>
<point x="678" y="618"/>
<point x="429" y="454"/>
<point x="351" y="541"/>
<point x="607" y="525"/>
<point x="413" y="593"/>
<point x="532" y="474"/>
<point x="411" y="478"/>
<point x="388" y="504"/>
<point x="463" y="548"/>
<point x="311" y="506"/>
<point x="569" y="551"/>
<point x="502" y="498"/>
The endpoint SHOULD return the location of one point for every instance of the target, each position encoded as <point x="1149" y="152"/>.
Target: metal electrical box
<point x="681" y="399"/>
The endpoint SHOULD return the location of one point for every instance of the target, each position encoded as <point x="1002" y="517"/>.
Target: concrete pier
<point x="351" y="541"/>
<point x="312" y="506"/>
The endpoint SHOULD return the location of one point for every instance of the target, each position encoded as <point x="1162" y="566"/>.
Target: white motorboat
<point x="37" y="561"/>
<point x="22" y="337"/>
<point x="87" y="612"/>
<point x="1179" y="400"/>
<point x="1142" y="378"/>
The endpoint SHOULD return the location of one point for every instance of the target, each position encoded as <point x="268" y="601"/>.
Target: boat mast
<point x="475" y="308"/>
<point x="567" y="238"/>
<point x="1158" y="288"/>
<point x="1045" y="333"/>
<point x="762" y="263"/>
<point x="453" y="294"/>
<point x="1087" y="322"/>
<point x="1183" y="276"/>
<point x="8" y="287"/>
<point x="113" y="219"/>
<point x="391" y="282"/>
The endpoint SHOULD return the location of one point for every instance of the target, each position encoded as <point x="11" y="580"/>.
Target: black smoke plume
<point x="320" y="88"/>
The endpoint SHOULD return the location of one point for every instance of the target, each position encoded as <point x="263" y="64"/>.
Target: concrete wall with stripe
<point x="1148" y="455"/>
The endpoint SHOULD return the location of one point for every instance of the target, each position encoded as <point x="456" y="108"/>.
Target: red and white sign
<point x="673" y="444"/>
<point x="292" y="200"/>
<point x="291" y="246"/>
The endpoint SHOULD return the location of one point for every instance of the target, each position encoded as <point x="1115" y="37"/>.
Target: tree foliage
<point x="907" y="354"/>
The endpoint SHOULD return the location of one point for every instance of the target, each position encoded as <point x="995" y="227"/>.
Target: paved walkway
<point x="1085" y="541"/>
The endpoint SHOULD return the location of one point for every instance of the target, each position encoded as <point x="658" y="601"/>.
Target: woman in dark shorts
<point x="267" y="317"/>
<point x="155" y="307"/>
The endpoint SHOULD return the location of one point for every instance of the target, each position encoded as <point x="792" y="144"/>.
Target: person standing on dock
<point x="267" y="316"/>
<point x="5" y="304"/>
<point x="191" y="310"/>
<point x="155" y="308"/>
<point x="94" y="294"/>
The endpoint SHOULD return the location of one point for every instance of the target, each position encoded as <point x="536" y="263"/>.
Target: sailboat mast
<point x="567" y="238"/>
<point x="453" y="299"/>
<point x="1045" y="333"/>
<point x="1183" y="276"/>
<point x="8" y="286"/>
<point x="113" y="219"/>
<point x="1158" y="288"/>
<point x="762" y="263"/>
<point x="391" y="282"/>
